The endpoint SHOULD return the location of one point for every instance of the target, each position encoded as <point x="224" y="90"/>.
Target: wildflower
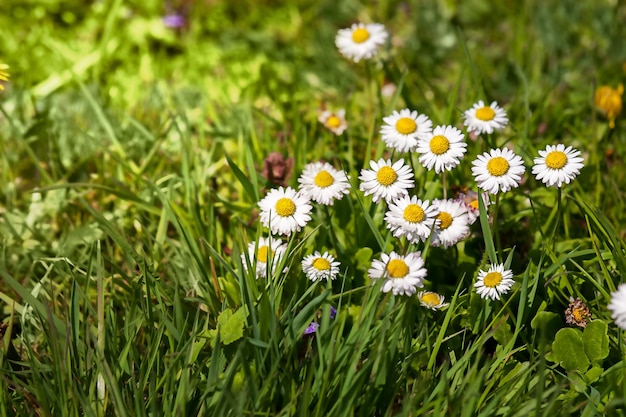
<point x="261" y="253"/>
<point x="618" y="306"/>
<point x="361" y="41"/>
<point x="443" y="149"/>
<point x="452" y="223"/>
<point x="334" y="121"/>
<point x="411" y="217"/>
<point x="577" y="313"/>
<point x="402" y="130"/>
<point x="313" y="326"/>
<point x="431" y="300"/>
<point x="285" y="211"/>
<point x="174" y="21"/>
<point x="277" y="169"/>
<point x="318" y="266"/>
<point x="485" y="119"/>
<point x="498" y="170"/>
<point x="4" y="75"/>
<point x="494" y="282"/>
<point x="402" y="274"/>
<point x="609" y="102"/>
<point x="470" y="201"/>
<point x="557" y="165"/>
<point x="385" y="180"/>
<point x="323" y="184"/>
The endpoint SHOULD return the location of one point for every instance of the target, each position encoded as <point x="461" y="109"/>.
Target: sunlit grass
<point x="133" y="157"/>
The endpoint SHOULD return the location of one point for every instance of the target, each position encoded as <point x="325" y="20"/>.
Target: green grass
<point x="131" y="165"/>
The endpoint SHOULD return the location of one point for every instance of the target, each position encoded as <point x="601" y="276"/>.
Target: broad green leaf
<point x="546" y="324"/>
<point x="596" y="340"/>
<point x="231" y="325"/>
<point x="568" y="350"/>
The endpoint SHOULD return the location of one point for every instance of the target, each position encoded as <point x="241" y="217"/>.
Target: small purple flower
<point x="174" y="20"/>
<point x="333" y="312"/>
<point x="311" y="328"/>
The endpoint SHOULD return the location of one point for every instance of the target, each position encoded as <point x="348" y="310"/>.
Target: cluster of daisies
<point x="441" y="222"/>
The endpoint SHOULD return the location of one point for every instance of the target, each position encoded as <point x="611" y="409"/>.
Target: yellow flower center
<point x="406" y="125"/>
<point x="285" y="207"/>
<point x="439" y="145"/>
<point x="556" y="160"/>
<point x="445" y="220"/>
<point x="498" y="166"/>
<point x="333" y="122"/>
<point x="323" y="179"/>
<point x="485" y="114"/>
<point x="413" y="213"/>
<point x="430" y="298"/>
<point x="262" y="253"/>
<point x="397" y="268"/>
<point x="474" y="204"/>
<point x="579" y="313"/>
<point x="492" y="279"/>
<point x="360" y="35"/>
<point x="321" y="264"/>
<point x="386" y="176"/>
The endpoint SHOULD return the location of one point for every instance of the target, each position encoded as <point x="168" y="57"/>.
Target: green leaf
<point x="230" y="325"/>
<point x="596" y="340"/>
<point x="593" y="374"/>
<point x="546" y="324"/>
<point x="568" y="350"/>
<point x="363" y="258"/>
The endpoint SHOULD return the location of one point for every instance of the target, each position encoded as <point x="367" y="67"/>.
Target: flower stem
<point x="496" y="232"/>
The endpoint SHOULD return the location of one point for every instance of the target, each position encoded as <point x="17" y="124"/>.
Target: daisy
<point x="323" y="184"/>
<point x="285" y="211"/>
<point x="618" y="306"/>
<point x="470" y="201"/>
<point x="557" y="165"/>
<point x="335" y="122"/>
<point x="494" y="282"/>
<point x="498" y="170"/>
<point x="263" y="252"/>
<point x="485" y="119"/>
<point x="402" y="274"/>
<point x="318" y="266"/>
<point x="452" y="223"/>
<point x="443" y="149"/>
<point x="431" y="300"/>
<point x="411" y="217"/>
<point x="361" y="41"/>
<point x="385" y="180"/>
<point x="402" y="130"/>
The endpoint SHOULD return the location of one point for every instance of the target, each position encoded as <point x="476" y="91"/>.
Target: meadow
<point x="215" y="208"/>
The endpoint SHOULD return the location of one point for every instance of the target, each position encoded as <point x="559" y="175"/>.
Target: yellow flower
<point x="4" y="75"/>
<point x="609" y="101"/>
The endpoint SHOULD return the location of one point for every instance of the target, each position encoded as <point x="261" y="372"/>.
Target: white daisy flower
<point x="470" y="201"/>
<point x="431" y="300"/>
<point x="498" y="170"/>
<point x="261" y="253"/>
<point x="402" y="130"/>
<point x="402" y="274"/>
<point x="361" y="41"/>
<point x="323" y="184"/>
<point x="334" y="121"/>
<point x="285" y="211"/>
<point x="318" y="266"/>
<point x="557" y="165"/>
<point x="411" y="217"/>
<point x="494" y="282"/>
<point x="618" y="306"/>
<point x="485" y="119"/>
<point x="452" y="223"/>
<point x="443" y="149"/>
<point x="385" y="180"/>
